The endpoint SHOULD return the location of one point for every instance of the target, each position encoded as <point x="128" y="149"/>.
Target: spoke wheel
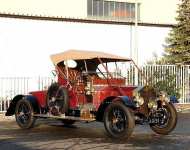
<point x="168" y="120"/>
<point x="24" y="114"/>
<point x="118" y="120"/>
<point x="57" y="99"/>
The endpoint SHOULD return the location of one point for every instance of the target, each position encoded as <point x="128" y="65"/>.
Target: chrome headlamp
<point x="138" y="99"/>
<point x="152" y="104"/>
<point x="163" y="96"/>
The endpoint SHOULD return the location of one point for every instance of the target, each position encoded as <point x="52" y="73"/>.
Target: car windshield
<point x="112" y="69"/>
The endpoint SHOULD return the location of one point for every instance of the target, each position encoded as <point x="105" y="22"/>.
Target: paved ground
<point x="54" y="136"/>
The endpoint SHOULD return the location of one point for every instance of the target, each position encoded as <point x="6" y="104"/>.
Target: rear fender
<point x="123" y="99"/>
<point x="30" y="98"/>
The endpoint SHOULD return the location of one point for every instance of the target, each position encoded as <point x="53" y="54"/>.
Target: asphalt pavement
<point x="53" y="135"/>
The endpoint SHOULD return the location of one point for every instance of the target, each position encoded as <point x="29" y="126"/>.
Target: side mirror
<point x="70" y="63"/>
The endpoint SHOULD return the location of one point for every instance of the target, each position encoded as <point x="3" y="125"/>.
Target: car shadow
<point x="92" y="134"/>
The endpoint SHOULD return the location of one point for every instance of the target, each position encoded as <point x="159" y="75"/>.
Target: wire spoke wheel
<point x="57" y="99"/>
<point x="167" y="120"/>
<point x="118" y="120"/>
<point x="164" y="118"/>
<point x="24" y="114"/>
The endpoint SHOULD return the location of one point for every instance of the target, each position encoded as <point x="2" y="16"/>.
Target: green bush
<point x="165" y="82"/>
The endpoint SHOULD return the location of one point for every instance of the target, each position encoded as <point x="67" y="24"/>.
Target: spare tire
<point x="57" y="95"/>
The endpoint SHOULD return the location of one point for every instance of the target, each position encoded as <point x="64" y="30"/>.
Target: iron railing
<point x="151" y="74"/>
<point x="9" y="87"/>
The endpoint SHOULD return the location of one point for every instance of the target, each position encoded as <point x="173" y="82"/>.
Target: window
<point x="112" y="9"/>
<point x="95" y="8"/>
<point x="106" y="8"/>
<point x="89" y="8"/>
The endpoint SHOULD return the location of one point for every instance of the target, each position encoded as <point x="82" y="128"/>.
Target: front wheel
<point x="24" y="114"/>
<point x="118" y="120"/>
<point x="167" y="120"/>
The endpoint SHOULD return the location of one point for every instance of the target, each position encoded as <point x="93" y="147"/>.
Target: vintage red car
<point x="86" y="90"/>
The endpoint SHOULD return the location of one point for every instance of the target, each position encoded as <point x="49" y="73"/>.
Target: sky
<point x="25" y="45"/>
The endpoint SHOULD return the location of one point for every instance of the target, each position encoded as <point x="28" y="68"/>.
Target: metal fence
<point x="10" y="87"/>
<point x="179" y="77"/>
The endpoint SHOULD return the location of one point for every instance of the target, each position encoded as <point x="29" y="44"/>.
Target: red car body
<point x="100" y="94"/>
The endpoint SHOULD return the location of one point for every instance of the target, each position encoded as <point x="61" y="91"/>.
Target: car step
<point x="65" y="117"/>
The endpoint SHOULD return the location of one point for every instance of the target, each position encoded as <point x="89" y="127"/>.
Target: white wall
<point x="158" y="11"/>
<point x="25" y="45"/>
<point x="69" y="8"/>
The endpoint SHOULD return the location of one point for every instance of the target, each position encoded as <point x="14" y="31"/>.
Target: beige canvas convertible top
<point x="80" y="55"/>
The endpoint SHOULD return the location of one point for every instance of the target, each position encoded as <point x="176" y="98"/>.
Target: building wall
<point x="61" y="8"/>
<point x="151" y="11"/>
<point x="158" y="11"/>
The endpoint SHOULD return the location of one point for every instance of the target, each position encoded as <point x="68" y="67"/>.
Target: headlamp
<point x="139" y="100"/>
<point x="152" y="104"/>
<point x="163" y="96"/>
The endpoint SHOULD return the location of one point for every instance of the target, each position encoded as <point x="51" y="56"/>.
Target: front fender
<point x="30" y="98"/>
<point x="123" y="99"/>
<point x="128" y="102"/>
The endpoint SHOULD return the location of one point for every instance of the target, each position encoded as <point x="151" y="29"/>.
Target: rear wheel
<point x="118" y="120"/>
<point x="24" y="114"/>
<point x="167" y="121"/>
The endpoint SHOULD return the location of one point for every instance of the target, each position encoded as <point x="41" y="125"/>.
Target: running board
<point x="64" y="117"/>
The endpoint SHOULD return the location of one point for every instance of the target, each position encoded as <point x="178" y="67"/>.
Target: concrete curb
<point x="182" y="108"/>
<point x="3" y="117"/>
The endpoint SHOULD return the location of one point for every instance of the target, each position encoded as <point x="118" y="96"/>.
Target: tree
<point x="178" y="42"/>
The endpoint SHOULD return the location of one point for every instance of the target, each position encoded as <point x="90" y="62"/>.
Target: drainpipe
<point x="136" y="42"/>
